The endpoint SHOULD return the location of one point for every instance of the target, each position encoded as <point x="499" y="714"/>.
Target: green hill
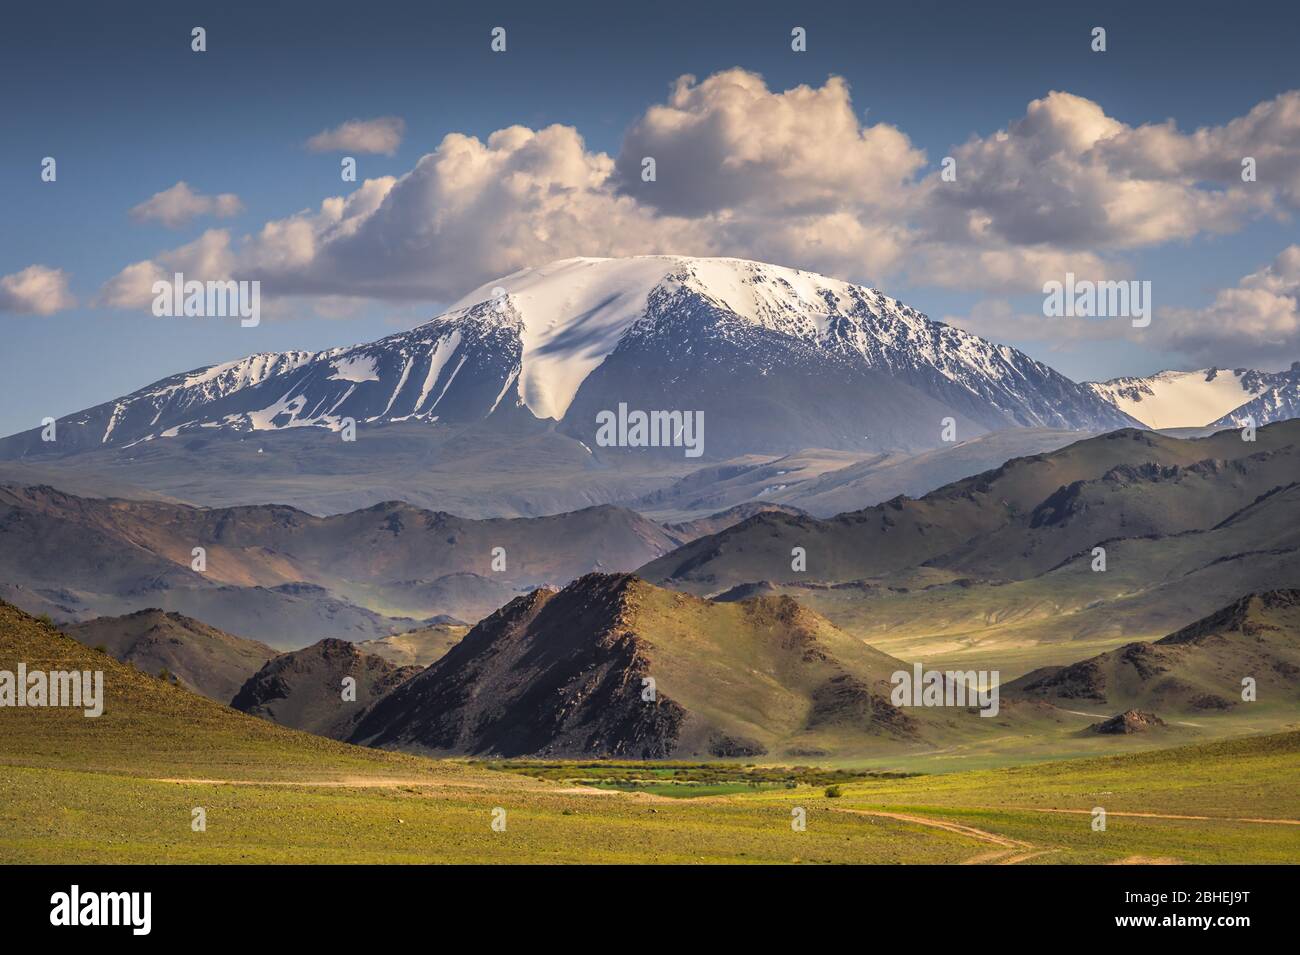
<point x="566" y="673"/>
<point x="1198" y="669"/>
<point x="1013" y="522"/>
<point x="122" y="788"/>
<point x="152" y="726"/>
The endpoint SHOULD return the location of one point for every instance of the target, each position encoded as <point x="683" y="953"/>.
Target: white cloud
<point x="382" y="135"/>
<point x="1067" y="175"/>
<point x="1269" y="133"/>
<point x="473" y="209"/>
<point x="791" y="176"/>
<point x="36" y="290"/>
<point x="207" y="258"/>
<point x="1254" y="323"/>
<point x="176" y="206"/>
<point x="729" y="143"/>
<point x="469" y="211"/>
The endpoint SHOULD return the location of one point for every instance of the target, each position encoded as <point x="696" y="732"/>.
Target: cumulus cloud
<point x="382" y="135"/>
<point x="176" y="206"/>
<point x="469" y="211"/>
<point x="730" y="143"/>
<point x="472" y="210"/>
<point x="207" y="258"/>
<point x="476" y="209"/>
<point x="1069" y="176"/>
<point x="1254" y="323"/>
<point x="36" y="290"/>
<point x="1269" y="134"/>
<point x="791" y="176"/>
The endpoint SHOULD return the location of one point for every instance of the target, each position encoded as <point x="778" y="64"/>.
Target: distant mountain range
<point x="1210" y="397"/>
<point x="775" y="634"/>
<point x="491" y="409"/>
<point x="874" y="487"/>
<point x="1006" y="559"/>
<point x="279" y="575"/>
<point x="777" y="359"/>
<point x="1017" y="520"/>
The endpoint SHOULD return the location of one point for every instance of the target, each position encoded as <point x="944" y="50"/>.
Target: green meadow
<point x="124" y="787"/>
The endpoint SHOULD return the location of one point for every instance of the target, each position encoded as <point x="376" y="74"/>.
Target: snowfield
<point x="845" y="360"/>
<point x="1181" y="399"/>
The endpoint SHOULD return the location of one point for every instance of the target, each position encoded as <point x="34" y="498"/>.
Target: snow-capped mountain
<point x="1208" y="396"/>
<point x="1277" y="402"/>
<point x="776" y="358"/>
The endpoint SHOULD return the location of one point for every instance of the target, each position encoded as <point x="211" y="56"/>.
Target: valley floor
<point x="124" y="787"/>
<point x="1234" y="801"/>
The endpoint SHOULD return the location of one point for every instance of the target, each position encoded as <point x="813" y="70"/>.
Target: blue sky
<point x="116" y="95"/>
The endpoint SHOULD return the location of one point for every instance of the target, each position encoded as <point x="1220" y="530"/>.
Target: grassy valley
<point x="121" y="788"/>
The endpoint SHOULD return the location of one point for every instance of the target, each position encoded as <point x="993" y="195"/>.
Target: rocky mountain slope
<point x="305" y="689"/>
<point x="777" y="359"/>
<point x="611" y="666"/>
<point x="203" y="658"/>
<point x="1278" y="401"/>
<point x="1200" y="668"/>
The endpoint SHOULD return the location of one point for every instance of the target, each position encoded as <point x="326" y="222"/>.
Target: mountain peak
<point x="1216" y="397"/>
<point x="775" y="358"/>
<point x="614" y="666"/>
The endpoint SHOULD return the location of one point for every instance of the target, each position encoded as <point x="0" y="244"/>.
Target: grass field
<point x="1242" y="795"/>
<point x="121" y="788"/>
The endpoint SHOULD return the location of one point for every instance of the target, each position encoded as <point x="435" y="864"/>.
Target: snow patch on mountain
<point x="1183" y="399"/>
<point x="355" y="368"/>
<point x="678" y="321"/>
<point x="574" y="313"/>
<point x="1279" y="401"/>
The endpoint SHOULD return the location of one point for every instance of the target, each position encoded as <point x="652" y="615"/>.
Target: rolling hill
<point x="1196" y="669"/>
<point x="418" y="647"/>
<point x="205" y="659"/>
<point x="152" y="726"/>
<point x="1037" y="510"/>
<point x="1152" y="585"/>
<point x="563" y="674"/>
<point x="122" y="788"/>
<point x="288" y="578"/>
